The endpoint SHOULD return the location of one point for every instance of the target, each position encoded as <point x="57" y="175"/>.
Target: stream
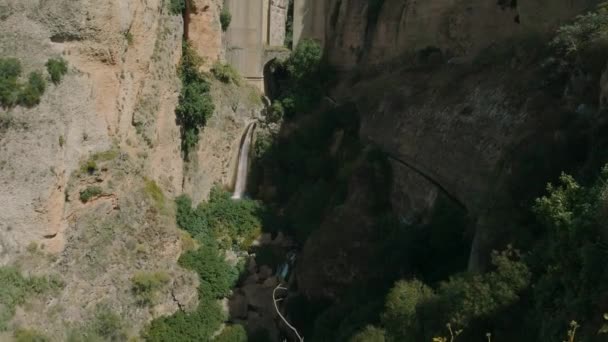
<point x="252" y="303"/>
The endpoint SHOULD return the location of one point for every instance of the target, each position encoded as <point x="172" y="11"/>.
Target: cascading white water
<point x="243" y="163"/>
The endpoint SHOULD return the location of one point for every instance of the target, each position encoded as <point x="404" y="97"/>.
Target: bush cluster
<point x="225" y="73"/>
<point x="234" y="222"/>
<point x="220" y="217"/>
<point x="232" y="333"/>
<point x="28" y="335"/>
<point x="105" y="325"/>
<point x="225" y="18"/>
<point x="301" y="86"/>
<point x="12" y="92"/>
<point x="195" y="105"/>
<point x="16" y="289"/>
<point x="89" y="193"/>
<point x="176" y="7"/>
<point x="57" y="68"/>
<point x="146" y="285"/>
<point x="28" y="94"/>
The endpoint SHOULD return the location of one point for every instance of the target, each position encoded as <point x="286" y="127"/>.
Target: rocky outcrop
<point x="109" y="124"/>
<point x="204" y="30"/>
<point x="482" y="129"/>
<point x="374" y="32"/>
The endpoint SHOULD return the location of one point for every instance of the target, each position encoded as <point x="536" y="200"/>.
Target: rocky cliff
<point x="454" y="93"/>
<point x="108" y="129"/>
<point x="359" y="32"/>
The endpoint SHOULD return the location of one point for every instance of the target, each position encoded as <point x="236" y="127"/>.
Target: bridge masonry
<point x="256" y="35"/>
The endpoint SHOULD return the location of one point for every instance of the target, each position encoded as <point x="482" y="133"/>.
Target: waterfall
<point x="243" y="163"/>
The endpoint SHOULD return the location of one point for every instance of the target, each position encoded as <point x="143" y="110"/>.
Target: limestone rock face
<point x="116" y="108"/>
<point x="481" y="135"/>
<point x="204" y="30"/>
<point x="356" y="32"/>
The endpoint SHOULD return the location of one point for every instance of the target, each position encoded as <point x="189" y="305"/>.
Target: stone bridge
<point x="256" y="33"/>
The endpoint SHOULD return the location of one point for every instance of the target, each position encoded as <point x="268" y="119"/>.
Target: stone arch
<point x="272" y="56"/>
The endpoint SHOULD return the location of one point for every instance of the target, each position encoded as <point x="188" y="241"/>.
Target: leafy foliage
<point x="225" y="73"/>
<point x="16" y="289"/>
<point x="176" y="7"/>
<point x="147" y="284"/>
<point x="195" y="103"/>
<point x="225" y="18"/>
<point x="400" y="316"/>
<point x="33" y="90"/>
<point x="105" y="326"/>
<point x="232" y="333"/>
<point x="302" y="87"/>
<point x="10" y="70"/>
<point x="569" y="260"/>
<point x="27" y="335"/>
<point x="220" y="217"/>
<point x="155" y="192"/>
<point x="57" y="68"/>
<point x="370" y="334"/>
<point x="12" y="92"/>
<point x="89" y="193"/>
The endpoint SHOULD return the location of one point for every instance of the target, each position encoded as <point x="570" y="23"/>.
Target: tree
<point x="400" y="317"/>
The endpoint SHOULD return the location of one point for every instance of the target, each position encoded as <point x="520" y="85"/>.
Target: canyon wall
<point x="366" y="32"/>
<point x="472" y="114"/>
<point x="109" y="125"/>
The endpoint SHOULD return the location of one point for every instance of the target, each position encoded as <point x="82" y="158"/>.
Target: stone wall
<point x="278" y="16"/>
<point x="244" y="39"/>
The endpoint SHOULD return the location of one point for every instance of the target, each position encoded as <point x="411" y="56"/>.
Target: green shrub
<point x="89" y="167"/>
<point x="105" y="326"/>
<point x="220" y="217"/>
<point x="28" y="335"/>
<point x="305" y="60"/>
<point x="16" y="289"/>
<point x="89" y="193"/>
<point x="156" y="194"/>
<point x="147" y="284"/>
<point x="199" y="325"/>
<point x="57" y="68"/>
<point x="225" y="18"/>
<point x="176" y="7"/>
<point x="275" y="112"/>
<point x="129" y="38"/>
<point x="10" y="70"/>
<point x="370" y="334"/>
<point x="195" y="102"/>
<point x="225" y="73"/>
<point x="232" y="333"/>
<point x="33" y="90"/>
<point x="400" y="315"/>
<point x="216" y="280"/>
<point x="302" y="88"/>
<point x="569" y="263"/>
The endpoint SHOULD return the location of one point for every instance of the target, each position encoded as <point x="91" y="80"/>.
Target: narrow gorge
<point x="288" y="170"/>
